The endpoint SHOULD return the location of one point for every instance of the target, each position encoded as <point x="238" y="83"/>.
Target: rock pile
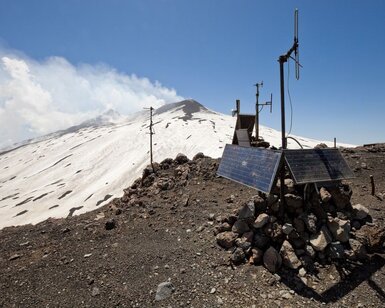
<point x="317" y="227"/>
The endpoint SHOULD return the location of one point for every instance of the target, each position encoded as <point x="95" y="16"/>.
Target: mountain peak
<point x="189" y="107"/>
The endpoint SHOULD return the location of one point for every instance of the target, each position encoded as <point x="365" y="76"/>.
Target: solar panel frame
<point x="253" y="167"/>
<point x="317" y="165"/>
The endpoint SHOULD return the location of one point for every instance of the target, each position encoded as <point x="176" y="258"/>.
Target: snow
<point x="81" y="170"/>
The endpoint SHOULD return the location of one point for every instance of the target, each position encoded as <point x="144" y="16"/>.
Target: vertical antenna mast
<point x="257" y="111"/>
<point x="282" y="60"/>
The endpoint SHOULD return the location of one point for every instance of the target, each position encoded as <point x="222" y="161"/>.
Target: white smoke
<point x="39" y="97"/>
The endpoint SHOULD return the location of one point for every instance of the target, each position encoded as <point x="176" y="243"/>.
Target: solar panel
<point x="254" y="167"/>
<point x="243" y="137"/>
<point x="317" y="165"/>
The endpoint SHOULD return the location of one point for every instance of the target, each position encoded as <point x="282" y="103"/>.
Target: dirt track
<point x="76" y="262"/>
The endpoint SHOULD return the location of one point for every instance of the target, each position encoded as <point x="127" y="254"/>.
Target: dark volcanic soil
<point x="76" y="262"/>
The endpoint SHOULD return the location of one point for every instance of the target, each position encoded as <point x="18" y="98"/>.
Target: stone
<point x="287" y="228"/>
<point x="238" y="256"/>
<point x="261" y="220"/>
<point x="272" y="260"/>
<point x="310" y="251"/>
<point x="339" y="229"/>
<point x="289" y="258"/>
<point x="110" y="224"/>
<point x="261" y="241"/>
<point x="226" y="239"/>
<point x="95" y="291"/>
<point x="259" y="203"/>
<point x="256" y="256"/>
<point x="325" y="195"/>
<point x="373" y="237"/>
<point x="320" y="240"/>
<point x="341" y="195"/>
<point x="164" y="290"/>
<point x="247" y="212"/>
<point x="289" y="185"/>
<point x="302" y="272"/>
<point x="298" y="224"/>
<point x="223" y="227"/>
<point x="274" y="231"/>
<point x="358" y="249"/>
<point x="271" y="199"/>
<point x="360" y="212"/>
<point x="310" y="221"/>
<point x="248" y="236"/>
<point x="181" y="159"/>
<point x="335" y="250"/>
<point x="198" y="156"/>
<point x="240" y="227"/>
<point x="293" y="201"/>
<point x="242" y="243"/>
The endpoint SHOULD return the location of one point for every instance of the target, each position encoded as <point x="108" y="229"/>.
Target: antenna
<point x="257" y="110"/>
<point x="282" y="60"/>
<point x="296" y="51"/>
<point x="151" y="133"/>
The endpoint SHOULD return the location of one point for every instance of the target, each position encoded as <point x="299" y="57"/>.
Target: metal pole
<point x="257" y="115"/>
<point x="151" y="133"/>
<point x="335" y="142"/>
<point x="282" y="60"/>
<point x="238" y="106"/>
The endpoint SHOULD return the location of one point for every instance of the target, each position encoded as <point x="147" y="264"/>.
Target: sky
<point x="64" y="61"/>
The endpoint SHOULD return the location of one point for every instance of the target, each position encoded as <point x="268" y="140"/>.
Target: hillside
<point x="162" y="231"/>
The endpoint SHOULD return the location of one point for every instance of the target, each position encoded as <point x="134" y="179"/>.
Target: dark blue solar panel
<point x="254" y="167"/>
<point x="317" y="165"/>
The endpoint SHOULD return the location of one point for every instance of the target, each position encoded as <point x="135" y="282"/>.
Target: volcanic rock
<point x="226" y="239"/>
<point x="360" y="212"/>
<point x="238" y="256"/>
<point x="181" y="159"/>
<point x="339" y="228"/>
<point x="256" y="256"/>
<point x="261" y="220"/>
<point x="289" y="257"/>
<point x="293" y="201"/>
<point x="247" y="212"/>
<point x="164" y="290"/>
<point x="325" y="195"/>
<point x="240" y="227"/>
<point x="320" y="240"/>
<point x="272" y="259"/>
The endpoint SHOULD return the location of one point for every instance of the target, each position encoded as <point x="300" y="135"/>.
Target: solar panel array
<point x="254" y="167"/>
<point x="317" y="165"/>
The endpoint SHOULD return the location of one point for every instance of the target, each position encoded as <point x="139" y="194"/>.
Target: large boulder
<point x="293" y="202"/>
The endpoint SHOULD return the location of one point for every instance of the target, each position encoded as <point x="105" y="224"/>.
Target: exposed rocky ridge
<point x="155" y="246"/>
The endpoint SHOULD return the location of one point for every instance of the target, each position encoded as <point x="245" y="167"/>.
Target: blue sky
<point x="215" y="50"/>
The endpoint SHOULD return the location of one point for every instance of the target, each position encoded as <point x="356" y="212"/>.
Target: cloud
<point x="39" y="97"/>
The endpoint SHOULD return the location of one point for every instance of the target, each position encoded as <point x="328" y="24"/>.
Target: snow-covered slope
<point x="83" y="168"/>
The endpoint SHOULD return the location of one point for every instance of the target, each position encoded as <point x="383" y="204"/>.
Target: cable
<point x="288" y="93"/>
